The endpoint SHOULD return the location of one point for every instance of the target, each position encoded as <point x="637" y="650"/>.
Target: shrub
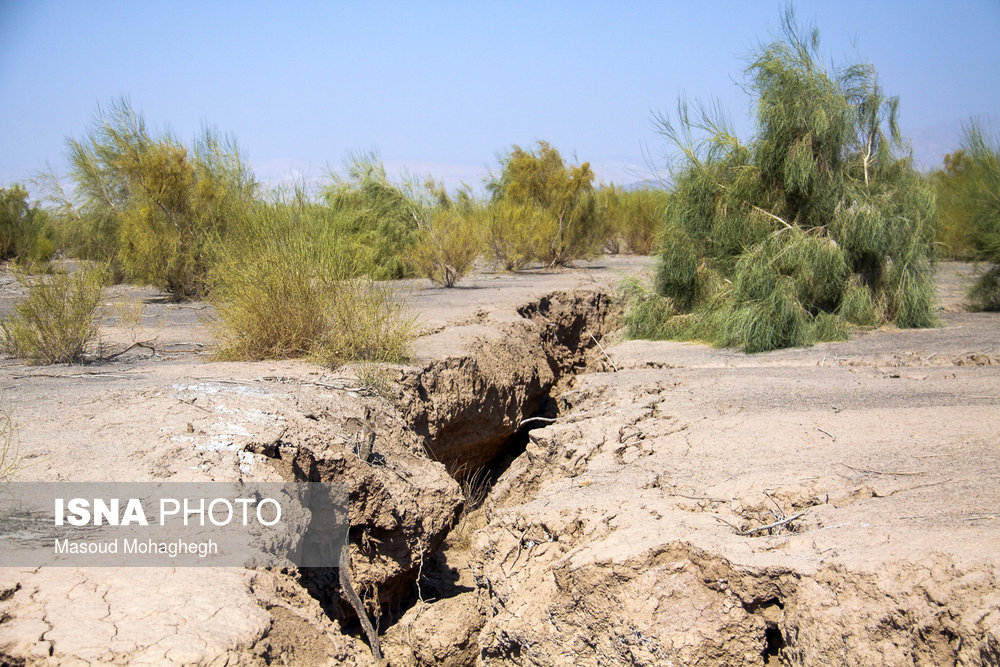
<point x="828" y="327"/>
<point x="910" y="291"/>
<point x="57" y="321"/>
<point x="368" y="322"/>
<point x="858" y="304"/>
<point x="10" y="459"/>
<point x="448" y="245"/>
<point x="632" y="218"/>
<point x="541" y="178"/>
<point x="26" y="233"/>
<point x="648" y="314"/>
<point x="677" y="271"/>
<point x="985" y="293"/>
<point x="516" y="233"/>
<point x="378" y="220"/>
<point x="817" y="219"/>
<point x="970" y="206"/>
<point x="271" y="303"/>
<point x="954" y="234"/>
<point x="284" y="287"/>
<point x="766" y="313"/>
<point x="152" y="205"/>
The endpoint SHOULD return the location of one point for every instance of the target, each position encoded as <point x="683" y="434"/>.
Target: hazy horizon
<point x="440" y="90"/>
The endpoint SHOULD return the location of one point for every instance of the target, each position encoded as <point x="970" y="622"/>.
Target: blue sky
<point x="441" y="88"/>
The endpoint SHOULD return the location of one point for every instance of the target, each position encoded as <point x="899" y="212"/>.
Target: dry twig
<point x="147" y="344"/>
<point x="546" y="420"/>
<point x="348" y="589"/>
<point x="776" y="524"/>
<point x="918" y="486"/>
<point x="866" y="471"/>
<point x="604" y="351"/>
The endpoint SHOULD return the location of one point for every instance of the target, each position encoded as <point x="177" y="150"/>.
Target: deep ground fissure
<point x="563" y="329"/>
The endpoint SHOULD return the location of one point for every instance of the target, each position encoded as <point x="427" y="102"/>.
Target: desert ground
<point x="548" y="493"/>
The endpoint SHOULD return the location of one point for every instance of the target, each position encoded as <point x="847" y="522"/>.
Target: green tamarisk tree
<point x="151" y="205"/>
<point x="818" y="222"/>
<point x="969" y="206"/>
<point x="573" y="228"/>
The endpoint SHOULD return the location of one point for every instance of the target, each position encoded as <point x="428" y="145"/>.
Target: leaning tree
<point x="818" y="222"/>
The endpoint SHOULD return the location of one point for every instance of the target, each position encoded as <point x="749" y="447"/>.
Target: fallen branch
<point x="546" y="420"/>
<point x="192" y="404"/>
<point x="604" y="351"/>
<point x="520" y="542"/>
<point x="918" y="486"/>
<point x="633" y="434"/>
<point x="69" y="376"/>
<point x="776" y="524"/>
<point x="781" y="512"/>
<point x="832" y="436"/>
<point x="719" y="518"/>
<point x="352" y="597"/>
<point x="866" y="471"/>
<point x="146" y="344"/>
<point x="708" y="498"/>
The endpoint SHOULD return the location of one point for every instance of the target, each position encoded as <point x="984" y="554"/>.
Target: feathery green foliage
<point x="985" y="293"/>
<point x="541" y="178"/>
<point x="450" y="240"/>
<point x="285" y="285"/>
<point x="25" y="230"/>
<point x="955" y="210"/>
<point x="969" y="206"/>
<point x="152" y="205"/>
<point x="516" y="233"/>
<point x="377" y="218"/>
<point x="366" y="322"/>
<point x="983" y="190"/>
<point x="632" y="219"/>
<point x="57" y="321"/>
<point x="677" y="272"/>
<point x="766" y="244"/>
<point x="858" y="304"/>
<point x="266" y="285"/>
<point x="650" y="315"/>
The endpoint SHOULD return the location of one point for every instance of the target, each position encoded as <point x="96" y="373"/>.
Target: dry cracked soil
<point x="547" y="493"/>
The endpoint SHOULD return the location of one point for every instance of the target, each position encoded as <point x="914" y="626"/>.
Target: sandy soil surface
<point x="633" y="528"/>
<point x="654" y="490"/>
